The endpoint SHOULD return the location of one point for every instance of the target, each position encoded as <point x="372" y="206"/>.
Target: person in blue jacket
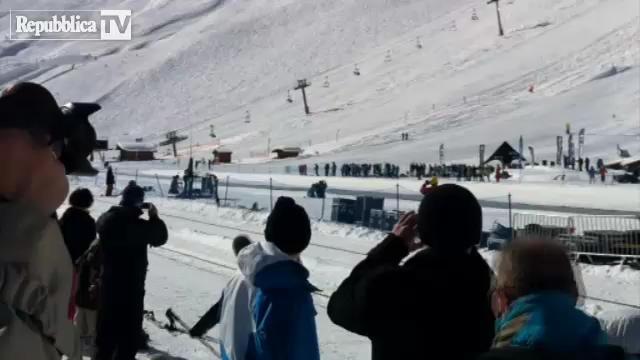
<point x="267" y="312"/>
<point x="535" y="301"/>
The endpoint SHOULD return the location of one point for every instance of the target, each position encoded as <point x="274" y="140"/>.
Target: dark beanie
<point x="288" y="226"/>
<point x="239" y="243"/>
<point x="450" y="218"/>
<point x="132" y="195"/>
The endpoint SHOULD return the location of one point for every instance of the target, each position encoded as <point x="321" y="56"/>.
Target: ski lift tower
<point x="172" y="138"/>
<point x="497" y="2"/>
<point x="302" y="85"/>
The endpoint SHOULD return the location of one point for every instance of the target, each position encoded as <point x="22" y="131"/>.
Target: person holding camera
<point x="432" y="305"/>
<point x="125" y="238"/>
<point x="39" y="144"/>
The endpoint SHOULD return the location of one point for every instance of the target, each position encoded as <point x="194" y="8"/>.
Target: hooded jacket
<point x="267" y="311"/>
<point x="35" y="287"/>
<point x="548" y="321"/>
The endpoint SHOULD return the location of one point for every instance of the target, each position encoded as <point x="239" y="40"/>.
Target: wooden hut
<point x="287" y="152"/>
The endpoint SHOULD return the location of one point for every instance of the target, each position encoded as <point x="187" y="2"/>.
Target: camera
<point x="79" y="137"/>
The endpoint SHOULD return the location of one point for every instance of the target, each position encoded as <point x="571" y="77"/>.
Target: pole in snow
<point x="271" y="192"/>
<point x="510" y="217"/>
<point x="226" y="190"/>
<point x="302" y="85"/>
<point x="497" y="2"/>
<point x="398" y="200"/>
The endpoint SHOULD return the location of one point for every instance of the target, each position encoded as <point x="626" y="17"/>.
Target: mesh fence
<point x="379" y="207"/>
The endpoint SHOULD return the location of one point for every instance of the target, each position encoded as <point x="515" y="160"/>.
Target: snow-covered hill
<point x="196" y="63"/>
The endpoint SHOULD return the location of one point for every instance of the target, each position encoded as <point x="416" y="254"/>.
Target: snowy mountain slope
<point x="208" y="62"/>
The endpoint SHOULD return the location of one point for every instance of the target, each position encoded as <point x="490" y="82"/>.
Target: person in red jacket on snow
<point x="429" y="185"/>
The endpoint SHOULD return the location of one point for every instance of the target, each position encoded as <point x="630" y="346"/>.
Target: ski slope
<point x="198" y="63"/>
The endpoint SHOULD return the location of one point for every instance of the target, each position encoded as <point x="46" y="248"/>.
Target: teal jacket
<point x="548" y="321"/>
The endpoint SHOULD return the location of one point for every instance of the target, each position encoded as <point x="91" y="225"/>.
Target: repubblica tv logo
<point x="70" y="24"/>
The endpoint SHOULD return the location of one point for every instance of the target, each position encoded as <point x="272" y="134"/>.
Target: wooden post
<point x="159" y="186"/>
<point x="302" y="85"/>
<point x="497" y="2"/>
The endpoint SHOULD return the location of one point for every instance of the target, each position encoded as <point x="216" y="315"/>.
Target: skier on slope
<point x="212" y="317"/>
<point x="316" y="167"/>
<point x="334" y="168"/>
<point x="327" y="168"/>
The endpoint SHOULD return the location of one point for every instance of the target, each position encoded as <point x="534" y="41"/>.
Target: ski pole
<point x="172" y="316"/>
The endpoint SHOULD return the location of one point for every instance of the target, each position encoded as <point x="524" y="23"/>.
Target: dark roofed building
<point x="222" y="156"/>
<point x="287" y="152"/>
<point x="136" y="151"/>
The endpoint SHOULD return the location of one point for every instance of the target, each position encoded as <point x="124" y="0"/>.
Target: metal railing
<point x="617" y="236"/>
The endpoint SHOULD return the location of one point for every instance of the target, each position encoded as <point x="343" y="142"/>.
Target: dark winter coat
<point x="124" y="238"/>
<point x="433" y="303"/>
<point x="110" y="178"/>
<point x="519" y="353"/>
<point x="89" y="271"/>
<point x="78" y="230"/>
